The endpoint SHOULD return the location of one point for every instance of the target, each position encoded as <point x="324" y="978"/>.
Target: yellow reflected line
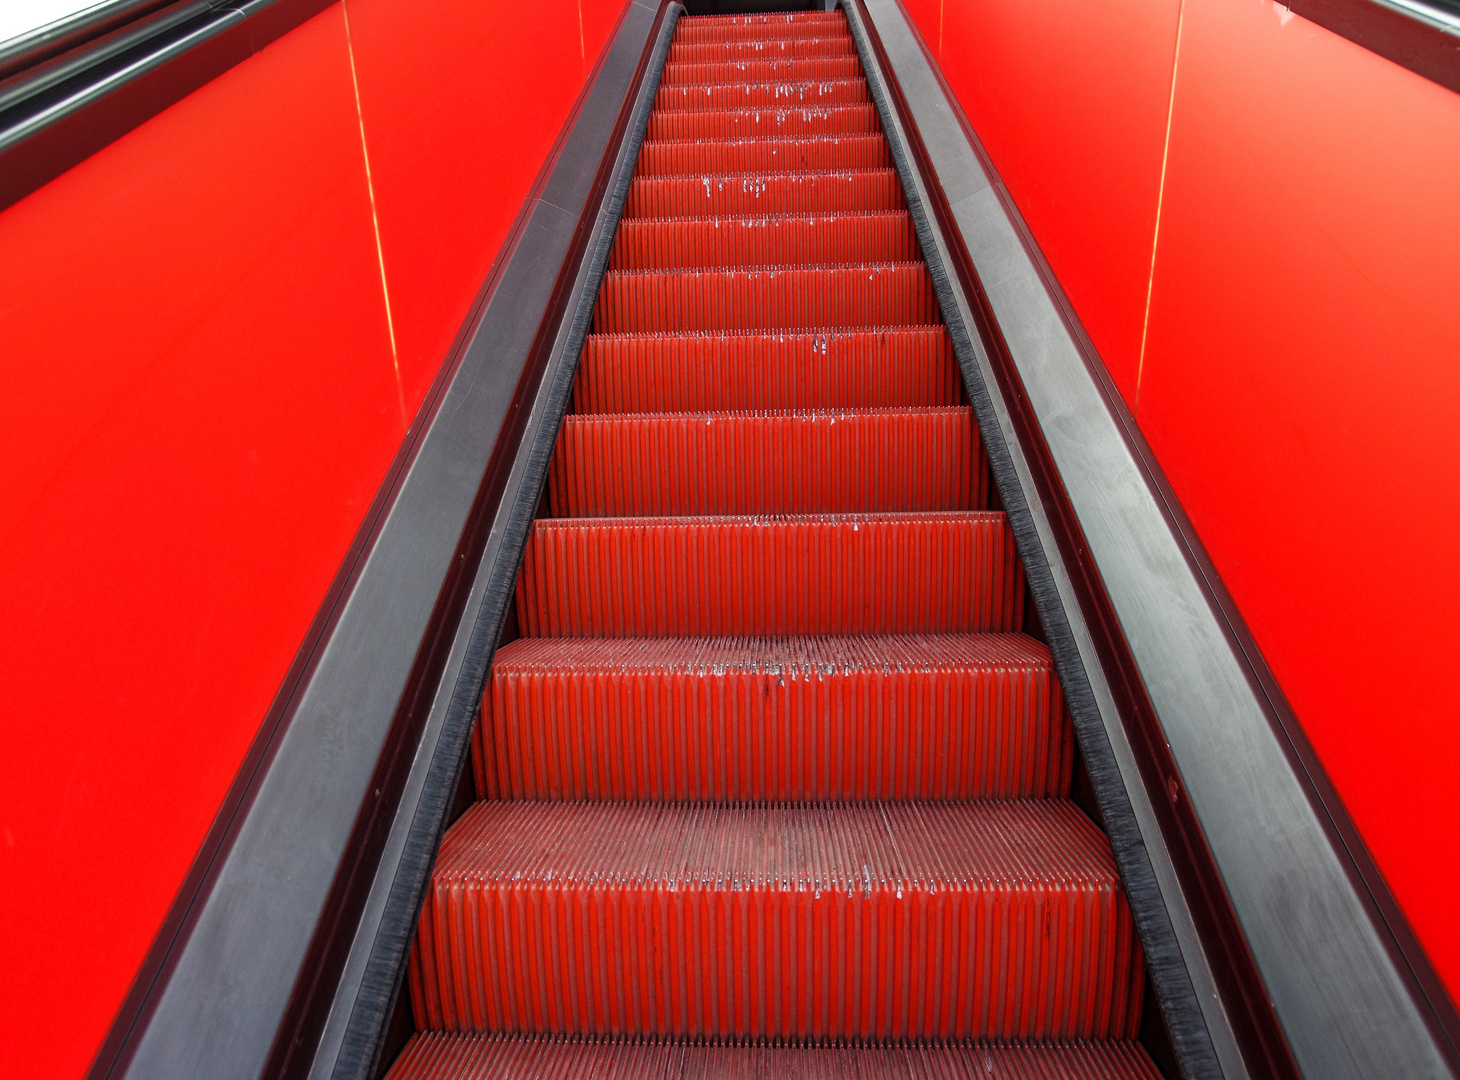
<point x="1160" y="195"/>
<point x="375" y="220"/>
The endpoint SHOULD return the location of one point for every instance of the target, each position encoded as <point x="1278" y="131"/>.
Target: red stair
<point x="771" y="758"/>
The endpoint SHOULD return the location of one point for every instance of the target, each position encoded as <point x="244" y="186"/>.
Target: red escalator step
<point x="653" y="301"/>
<point x="860" y="921"/>
<point x="828" y="461"/>
<point x="776" y="95"/>
<point x="782" y="240"/>
<point x="772" y="123"/>
<point x="719" y="52"/>
<point x="849" y="369"/>
<point x="977" y="716"/>
<point x="760" y="194"/>
<point x="432" y="1055"/>
<point x="759" y="27"/>
<point x="936" y="573"/>
<point x="825" y="153"/>
<point x="734" y="71"/>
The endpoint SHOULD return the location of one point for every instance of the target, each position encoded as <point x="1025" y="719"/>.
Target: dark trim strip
<point x="1366" y="874"/>
<point x="68" y="106"/>
<point x="1367" y="998"/>
<point x="1445" y="1020"/>
<point x="1424" y="37"/>
<point x="300" y="830"/>
<point x="494" y="546"/>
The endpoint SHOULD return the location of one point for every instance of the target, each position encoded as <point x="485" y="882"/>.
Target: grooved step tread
<point x="775" y="95"/>
<point x="496" y="1057"/>
<point x="877" y="294"/>
<point x="718" y="30"/>
<point x="773" y="719"/>
<point x="930" y="573"/>
<point x="794" y="68"/>
<point x="699" y="52"/>
<point x="886" y="921"/>
<point x="729" y="370"/>
<point x="826" y="461"/>
<point x="760" y="194"/>
<point x="804" y="240"/>
<point x="780" y="123"/>
<point x="725" y="156"/>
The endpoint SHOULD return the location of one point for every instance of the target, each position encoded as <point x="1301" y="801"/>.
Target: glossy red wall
<point x="1297" y="366"/>
<point x="203" y="387"/>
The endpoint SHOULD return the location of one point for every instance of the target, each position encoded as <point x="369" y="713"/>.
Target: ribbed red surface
<point x="794" y="69"/>
<point x="802" y="240"/>
<point x="762" y="26"/>
<point x="849" y="369"/>
<point x="770" y="759"/>
<point x="878" y="294"/>
<point x="719" y="52"/>
<point x="823" y="153"/>
<point x="936" y="573"/>
<point x="764" y="193"/>
<point x="888" y="921"/>
<point x="643" y="464"/>
<point x="497" y="1057"/>
<point x="773" y="719"/>
<point x="773" y="123"/>
<point x="773" y="95"/>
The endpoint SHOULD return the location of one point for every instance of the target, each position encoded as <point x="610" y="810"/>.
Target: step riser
<point x="645" y="577"/>
<point x="760" y="49"/>
<point x="665" y="302"/>
<point x="474" y="1057"/>
<point x="721" y="372"/>
<point x="777" y="95"/>
<point x="757" y="195"/>
<point x="764" y="242"/>
<point x="645" y="466"/>
<point x="764" y="123"/>
<point x="764" y="155"/>
<point x="753" y="71"/>
<point x="967" y="731"/>
<point x="779" y="924"/>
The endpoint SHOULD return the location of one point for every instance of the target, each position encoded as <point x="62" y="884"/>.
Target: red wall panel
<point x="1070" y="100"/>
<point x="457" y="126"/>
<point x="1301" y="374"/>
<point x="1302" y="391"/>
<point x="200" y="402"/>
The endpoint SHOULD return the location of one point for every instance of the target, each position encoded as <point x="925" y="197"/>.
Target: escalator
<point x="773" y="773"/>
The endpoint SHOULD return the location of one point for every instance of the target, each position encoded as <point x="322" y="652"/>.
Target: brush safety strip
<point x="936" y="573"/>
<point x="708" y="372"/>
<point x="758" y="194"/>
<point x="768" y="123"/>
<point x="436" y="1055"/>
<point x="973" y="716"/>
<point x="781" y="240"/>
<point x="649" y="464"/>
<point x="887" y="294"/>
<point x="855" y="921"/>
<point x="763" y="95"/>
<point x="796" y="68"/>
<point x="825" y="153"/>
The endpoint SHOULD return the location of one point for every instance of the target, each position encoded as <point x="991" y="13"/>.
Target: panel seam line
<point x="375" y="220"/>
<point x="1160" y="198"/>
